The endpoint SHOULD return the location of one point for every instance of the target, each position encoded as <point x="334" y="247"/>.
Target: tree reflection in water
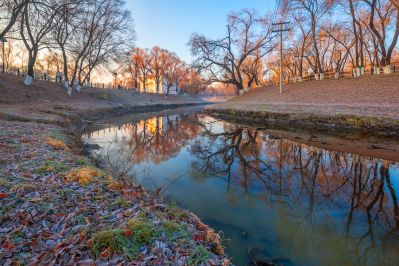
<point x="348" y="188"/>
<point x="320" y="191"/>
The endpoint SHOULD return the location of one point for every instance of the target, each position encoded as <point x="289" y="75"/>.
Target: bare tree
<point x="251" y="68"/>
<point x="143" y="60"/>
<point x="384" y="12"/>
<point x="10" y="10"/>
<point x="38" y="19"/>
<point x="172" y="72"/>
<point x="314" y="11"/>
<point x="103" y="36"/>
<point x="68" y="19"/>
<point x="130" y="67"/>
<point x="159" y="58"/>
<point x="222" y="60"/>
<point x="192" y="83"/>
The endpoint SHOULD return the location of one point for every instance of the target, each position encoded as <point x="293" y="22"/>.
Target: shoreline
<point x="365" y="104"/>
<point x="79" y="123"/>
<point x="135" y="224"/>
<point x="343" y="123"/>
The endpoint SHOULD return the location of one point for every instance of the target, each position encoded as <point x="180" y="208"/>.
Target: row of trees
<point x="323" y="36"/>
<point x="162" y="67"/>
<point x="84" y="34"/>
<point x="329" y="35"/>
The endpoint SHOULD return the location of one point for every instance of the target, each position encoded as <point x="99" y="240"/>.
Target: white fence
<point x="353" y="73"/>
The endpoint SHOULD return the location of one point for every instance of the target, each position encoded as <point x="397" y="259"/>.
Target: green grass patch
<point x="4" y="183"/>
<point x="116" y="242"/>
<point x="143" y="230"/>
<point x="174" y="212"/>
<point x="82" y="161"/>
<point x="120" y="203"/>
<point x="173" y="230"/>
<point x="52" y="166"/>
<point x="199" y="255"/>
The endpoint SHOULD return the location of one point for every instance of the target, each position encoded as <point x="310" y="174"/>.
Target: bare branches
<point x="364" y="34"/>
<point x="38" y="19"/>
<point x="10" y="10"/>
<point x="222" y="61"/>
<point x="103" y="36"/>
<point x="158" y="67"/>
<point x="89" y="34"/>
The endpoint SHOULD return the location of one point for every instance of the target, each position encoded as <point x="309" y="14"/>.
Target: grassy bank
<point x="367" y="104"/>
<point x="383" y="126"/>
<point x="57" y="207"/>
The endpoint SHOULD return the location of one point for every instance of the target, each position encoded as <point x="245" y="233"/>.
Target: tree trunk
<point x="31" y="61"/>
<point x="361" y="44"/>
<point x="157" y="80"/>
<point x="74" y="73"/>
<point x="352" y="10"/>
<point x="65" y="65"/>
<point x="318" y="62"/>
<point x="239" y="87"/>
<point x="394" y="40"/>
<point x="144" y="84"/>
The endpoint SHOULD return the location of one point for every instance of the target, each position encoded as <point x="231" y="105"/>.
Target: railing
<point x="55" y="79"/>
<point x="92" y="85"/>
<point x="353" y="73"/>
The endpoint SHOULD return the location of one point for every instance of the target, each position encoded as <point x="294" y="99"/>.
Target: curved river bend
<point x="299" y="197"/>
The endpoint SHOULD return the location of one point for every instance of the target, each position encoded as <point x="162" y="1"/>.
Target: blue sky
<point x="170" y="23"/>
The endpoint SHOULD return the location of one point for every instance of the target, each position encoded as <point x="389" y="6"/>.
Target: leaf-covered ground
<point x="56" y="208"/>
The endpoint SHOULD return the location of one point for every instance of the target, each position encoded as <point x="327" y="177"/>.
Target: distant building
<point x="151" y="87"/>
<point x="268" y="75"/>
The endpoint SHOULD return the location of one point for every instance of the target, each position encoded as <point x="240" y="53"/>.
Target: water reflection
<point x="310" y="205"/>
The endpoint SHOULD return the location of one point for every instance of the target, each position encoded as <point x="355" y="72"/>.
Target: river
<point x="301" y="198"/>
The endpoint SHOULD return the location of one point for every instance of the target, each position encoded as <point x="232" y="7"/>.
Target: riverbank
<point x="368" y="104"/>
<point x="48" y="102"/>
<point x="57" y="207"/>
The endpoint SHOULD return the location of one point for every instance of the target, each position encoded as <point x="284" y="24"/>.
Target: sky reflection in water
<point x="293" y="201"/>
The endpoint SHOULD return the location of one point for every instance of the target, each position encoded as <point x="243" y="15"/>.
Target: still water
<point x="268" y="191"/>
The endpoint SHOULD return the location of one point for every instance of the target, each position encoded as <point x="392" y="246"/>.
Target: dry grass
<point x="82" y="175"/>
<point x="369" y="96"/>
<point x="57" y="144"/>
<point x="47" y="102"/>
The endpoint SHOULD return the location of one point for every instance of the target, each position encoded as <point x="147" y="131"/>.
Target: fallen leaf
<point x="33" y="243"/>
<point x="82" y="235"/>
<point x="88" y="220"/>
<point x="106" y="253"/>
<point x="27" y="174"/>
<point x="9" y="246"/>
<point x="127" y="232"/>
<point x="58" y="246"/>
<point x="198" y="237"/>
<point x="3" y="195"/>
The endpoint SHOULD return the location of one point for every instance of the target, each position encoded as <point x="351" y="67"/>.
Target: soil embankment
<point x="369" y="103"/>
